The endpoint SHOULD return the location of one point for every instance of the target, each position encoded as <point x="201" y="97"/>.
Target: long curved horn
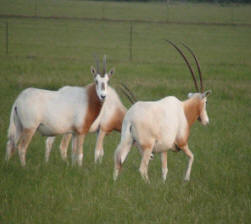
<point x="127" y="95"/>
<point x="97" y="63"/>
<point x="198" y="67"/>
<point x="188" y="65"/>
<point x="104" y="65"/>
<point x="129" y="92"/>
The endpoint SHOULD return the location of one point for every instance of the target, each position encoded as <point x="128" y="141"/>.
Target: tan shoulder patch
<point x="180" y="142"/>
<point x="115" y="123"/>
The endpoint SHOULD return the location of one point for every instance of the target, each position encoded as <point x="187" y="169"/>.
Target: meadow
<point x="52" y="53"/>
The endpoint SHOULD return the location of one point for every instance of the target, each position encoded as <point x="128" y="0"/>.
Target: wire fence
<point x="130" y="35"/>
<point x="165" y="11"/>
<point x="62" y="39"/>
<point x="65" y="39"/>
<point x="125" y="41"/>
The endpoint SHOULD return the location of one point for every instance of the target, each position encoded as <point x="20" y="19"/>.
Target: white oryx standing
<point x="110" y="118"/>
<point x="68" y="110"/>
<point x="161" y="125"/>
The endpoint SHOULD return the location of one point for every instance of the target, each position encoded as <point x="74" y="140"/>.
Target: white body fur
<point x="50" y="111"/>
<point x="159" y="126"/>
<point x="110" y="118"/>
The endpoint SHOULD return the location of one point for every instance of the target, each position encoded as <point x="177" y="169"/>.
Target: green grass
<point x="50" y="54"/>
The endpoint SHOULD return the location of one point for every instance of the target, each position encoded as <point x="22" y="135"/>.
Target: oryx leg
<point x="141" y="151"/>
<point x="187" y="151"/>
<point x="74" y="150"/>
<point x="77" y="149"/>
<point x="99" y="151"/>
<point x="48" y="146"/>
<point x="10" y="149"/>
<point x="121" y="153"/>
<point x="23" y="144"/>
<point x="164" y="165"/>
<point x="146" y="155"/>
<point x="64" y="146"/>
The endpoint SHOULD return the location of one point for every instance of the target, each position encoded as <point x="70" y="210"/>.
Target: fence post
<point x="167" y="10"/>
<point x="36" y="8"/>
<point x="130" y="43"/>
<point x="7" y="38"/>
<point x="103" y="10"/>
<point x="232" y="13"/>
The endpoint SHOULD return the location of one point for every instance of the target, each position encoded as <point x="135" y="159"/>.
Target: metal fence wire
<point x="160" y="11"/>
<point x="129" y="32"/>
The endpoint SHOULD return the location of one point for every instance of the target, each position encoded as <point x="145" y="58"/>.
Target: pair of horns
<point x="97" y="64"/>
<point x="128" y="93"/>
<point x="189" y="66"/>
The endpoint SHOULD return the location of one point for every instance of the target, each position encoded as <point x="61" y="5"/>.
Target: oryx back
<point x="51" y="111"/>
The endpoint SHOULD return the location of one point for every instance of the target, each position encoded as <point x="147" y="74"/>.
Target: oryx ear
<point x="111" y="72"/>
<point x="189" y="95"/>
<point x="93" y="71"/>
<point x="207" y="93"/>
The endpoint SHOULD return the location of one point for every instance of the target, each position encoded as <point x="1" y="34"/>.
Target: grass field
<point x="53" y="53"/>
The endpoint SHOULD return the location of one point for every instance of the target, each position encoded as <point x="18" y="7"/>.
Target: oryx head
<point x="101" y="79"/>
<point x="200" y="94"/>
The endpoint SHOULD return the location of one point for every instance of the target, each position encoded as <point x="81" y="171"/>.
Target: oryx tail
<point x="14" y="132"/>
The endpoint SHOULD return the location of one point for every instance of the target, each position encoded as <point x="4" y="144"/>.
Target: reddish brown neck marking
<point x="93" y="108"/>
<point x="192" y="109"/>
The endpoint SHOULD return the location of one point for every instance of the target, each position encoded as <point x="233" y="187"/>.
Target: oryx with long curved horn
<point x="68" y="110"/>
<point x="162" y="125"/>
